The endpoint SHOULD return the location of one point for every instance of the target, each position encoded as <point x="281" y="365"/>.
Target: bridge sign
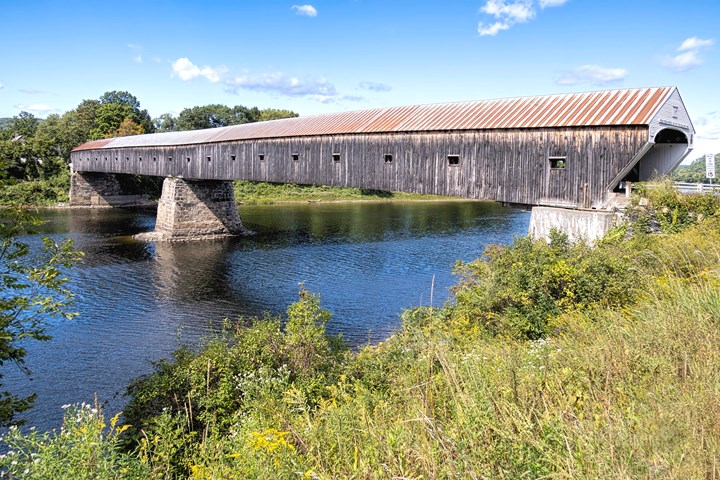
<point x="710" y="165"/>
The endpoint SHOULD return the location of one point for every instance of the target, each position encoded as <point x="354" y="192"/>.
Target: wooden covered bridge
<point x="576" y="152"/>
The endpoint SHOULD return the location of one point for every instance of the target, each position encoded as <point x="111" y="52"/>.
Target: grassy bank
<point x="552" y="361"/>
<point x="262" y="192"/>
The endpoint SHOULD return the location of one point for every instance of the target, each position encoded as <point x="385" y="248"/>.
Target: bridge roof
<point x="589" y="109"/>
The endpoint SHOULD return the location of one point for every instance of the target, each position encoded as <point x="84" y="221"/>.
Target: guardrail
<point x="698" y="187"/>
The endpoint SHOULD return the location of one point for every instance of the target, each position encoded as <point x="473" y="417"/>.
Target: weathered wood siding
<point x="503" y="165"/>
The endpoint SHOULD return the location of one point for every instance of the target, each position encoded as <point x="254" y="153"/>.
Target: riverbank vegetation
<point x="694" y="172"/>
<point x="263" y="192"/>
<point x="552" y="360"/>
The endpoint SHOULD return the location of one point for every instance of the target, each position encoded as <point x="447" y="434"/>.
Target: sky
<point x="338" y="55"/>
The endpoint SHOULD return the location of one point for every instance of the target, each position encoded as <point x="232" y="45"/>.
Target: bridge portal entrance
<point x="669" y="148"/>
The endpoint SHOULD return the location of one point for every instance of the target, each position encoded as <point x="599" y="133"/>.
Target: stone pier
<point x="588" y="225"/>
<point x="95" y="189"/>
<point x="196" y="209"/>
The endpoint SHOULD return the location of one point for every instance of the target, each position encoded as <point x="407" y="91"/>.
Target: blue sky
<point x="326" y="56"/>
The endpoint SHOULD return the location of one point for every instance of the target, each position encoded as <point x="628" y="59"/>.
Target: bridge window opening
<point x="557" y="163"/>
<point x="208" y="159"/>
<point x="116" y="159"/>
<point x="453" y="160"/>
<point x="127" y="159"/>
<point x="296" y="157"/>
<point x="169" y="159"/>
<point x="188" y="159"/>
<point x="388" y="158"/>
<point x="140" y="159"/>
<point x="336" y="157"/>
<point x="154" y="159"/>
<point x="261" y="156"/>
<point x="232" y="157"/>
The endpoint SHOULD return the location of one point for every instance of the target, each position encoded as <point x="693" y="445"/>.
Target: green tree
<point x="141" y="117"/>
<point x="32" y="288"/>
<point x="273" y="114"/>
<point x="216" y="115"/>
<point x="165" y="123"/>
<point x="693" y="173"/>
<point x="206" y="116"/>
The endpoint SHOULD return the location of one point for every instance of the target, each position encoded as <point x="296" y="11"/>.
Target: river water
<point x="138" y="301"/>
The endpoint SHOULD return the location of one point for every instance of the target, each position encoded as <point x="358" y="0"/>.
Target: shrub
<point x="84" y="448"/>
<point x="518" y="290"/>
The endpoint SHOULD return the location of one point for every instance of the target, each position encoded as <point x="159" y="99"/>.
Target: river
<point x="137" y="301"/>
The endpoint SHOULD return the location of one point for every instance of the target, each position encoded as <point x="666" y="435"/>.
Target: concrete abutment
<point x="588" y="225"/>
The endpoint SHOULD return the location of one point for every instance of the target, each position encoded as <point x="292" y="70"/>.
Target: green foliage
<point x="32" y="288"/>
<point x="213" y="116"/>
<point x="36" y="192"/>
<point x="659" y="206"/>
<point x="37" y="151"/>
<point x="85" y="448"/>
<point x="165" y="123"/>
<point x="252" y="366"/>
<point x="518" y="290"/>
<point x="693" y="173"/>
<point x="263" y="192"/>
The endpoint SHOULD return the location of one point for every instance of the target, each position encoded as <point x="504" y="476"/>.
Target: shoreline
<point x="154" y="204"/>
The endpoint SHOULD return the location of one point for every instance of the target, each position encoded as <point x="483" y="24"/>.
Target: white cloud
<point x="305" y="10"/>
<point x="592" y="74"/>
<point x="278" y="83"/>
<point x="688" y="56"/>
<point x="317" y="88"/>
<point x="510" y="12"/>
<point x="2" y="86"/>
<point x="695" y="43"/>
<point x="186" y="70"/>
<point x="31" y="91"/>
<point x="36" y="108"/>
<point x="374" y="86"/>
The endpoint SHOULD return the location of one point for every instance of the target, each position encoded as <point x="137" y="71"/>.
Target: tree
<point x="165" y="123"/>
<point x="127" y="128"/>
<point x="273" y="114"/>
<point x="693" y="173"/>
<point x="216" y="115"/>
<point x="206" y="116"/>
<point x="32" y="288"/>
<point x="116" y="106"/>
<point x="24" y="125"/>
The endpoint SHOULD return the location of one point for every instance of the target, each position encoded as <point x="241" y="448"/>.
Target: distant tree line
<point x="695" y="172"/>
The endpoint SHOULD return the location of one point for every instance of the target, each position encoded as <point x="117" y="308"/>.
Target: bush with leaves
<point x="85" y="448"/>
<point x="33" y="288"/>
<point x="253" y="362"/>
<point x="518" y="290"/>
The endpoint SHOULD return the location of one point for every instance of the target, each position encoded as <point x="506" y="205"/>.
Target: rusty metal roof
<point x="602" y="108"/>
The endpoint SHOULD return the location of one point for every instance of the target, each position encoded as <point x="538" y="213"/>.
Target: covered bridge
<point x="573" y="151"/>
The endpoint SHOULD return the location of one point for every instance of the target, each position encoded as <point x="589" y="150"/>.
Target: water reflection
<point x="137" y="301"/>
